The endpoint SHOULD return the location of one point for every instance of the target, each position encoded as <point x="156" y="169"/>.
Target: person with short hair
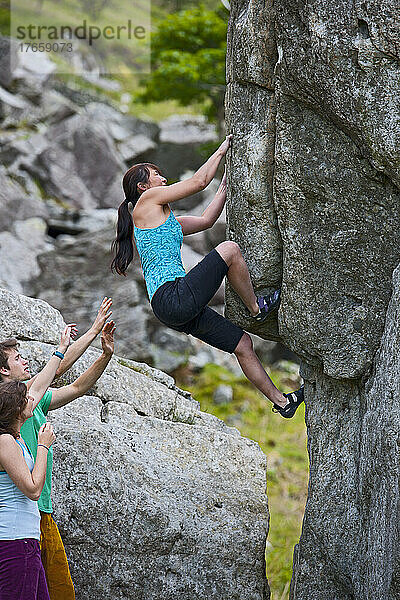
<point x="13" y="367"/>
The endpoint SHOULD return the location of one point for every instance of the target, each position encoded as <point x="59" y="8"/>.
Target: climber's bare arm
<point x="191" y="224"/>
<point x="164" y="194"/>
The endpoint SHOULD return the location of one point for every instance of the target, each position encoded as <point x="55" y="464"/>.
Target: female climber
<point x="179" y="299"/>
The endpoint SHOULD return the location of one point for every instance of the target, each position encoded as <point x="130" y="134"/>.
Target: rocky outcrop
<point x="353" y="502"/>
<point x="154" y="498"/>
<point x="71" y="149"/>
<point x="24" y="242"/>
<point x="313" y="101"/>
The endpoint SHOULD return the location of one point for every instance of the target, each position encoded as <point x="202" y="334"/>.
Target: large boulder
<point x="133" y="137"/>
<point x="154" y="499"/>
<point x="16" y="204"/>
<point x="80" y="165"/>
<point x="19" y="249"/>
<point x="84" y="154"/>
<point x="54" y="107"/>
<point x="313" y="100"/>
<point x="178" y="508"/>
<point x="354" y="492"/>
<point x="28" y="319"/>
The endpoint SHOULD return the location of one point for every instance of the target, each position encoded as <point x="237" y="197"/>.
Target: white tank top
<point x="19" y="515"/>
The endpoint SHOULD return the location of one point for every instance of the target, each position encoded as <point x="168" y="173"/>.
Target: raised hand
<point x="107" y="338"/>
<point x="222" y="185"/>
<point x="103" y="314"/>
<point x="226" y="143"/>
<point x="223" y="180"/>
<point x="65" y="339"/>
<point x="74" y="329"/>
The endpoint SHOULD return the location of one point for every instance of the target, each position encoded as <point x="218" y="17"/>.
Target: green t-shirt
<point x="29" y="433"/>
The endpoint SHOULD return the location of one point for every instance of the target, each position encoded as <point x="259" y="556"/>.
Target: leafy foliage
<point x="188" y="60"/>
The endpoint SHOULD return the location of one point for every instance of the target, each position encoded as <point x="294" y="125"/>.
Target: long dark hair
<point x="12" y="403"/>
<point x="123" y="244"/>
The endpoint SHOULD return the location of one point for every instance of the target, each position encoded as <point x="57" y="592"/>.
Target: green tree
<point x="188" y="61"/>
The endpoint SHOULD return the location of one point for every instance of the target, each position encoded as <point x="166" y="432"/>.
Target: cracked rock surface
<point x="314" y="105"/>
<point x="154" y="498"/>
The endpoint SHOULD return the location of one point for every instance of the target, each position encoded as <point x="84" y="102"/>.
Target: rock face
<point x="313" y="101"/>
<point x="25" y="241"/>
<point x="154" y="499"/>
<point x="350" y="542"/>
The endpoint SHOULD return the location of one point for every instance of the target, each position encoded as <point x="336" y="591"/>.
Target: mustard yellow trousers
<point x="54" y="560"/>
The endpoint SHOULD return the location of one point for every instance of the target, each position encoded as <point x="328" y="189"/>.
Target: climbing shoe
<point x="295" y="399"/>
<point x="267" y="305"/>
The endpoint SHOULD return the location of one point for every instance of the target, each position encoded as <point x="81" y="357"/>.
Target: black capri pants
<point x="182" y="304"/>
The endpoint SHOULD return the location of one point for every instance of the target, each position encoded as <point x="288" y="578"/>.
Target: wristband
<point x="43" y="446"/>
<point x="58" y="354"/>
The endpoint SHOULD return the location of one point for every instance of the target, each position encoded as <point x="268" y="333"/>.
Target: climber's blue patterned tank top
<point x="160" y="253"/>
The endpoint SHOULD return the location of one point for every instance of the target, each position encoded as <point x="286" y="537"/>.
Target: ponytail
<point x="123" y="244"/>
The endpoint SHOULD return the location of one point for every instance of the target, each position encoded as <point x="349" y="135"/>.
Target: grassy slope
<point x="284" y="443"/>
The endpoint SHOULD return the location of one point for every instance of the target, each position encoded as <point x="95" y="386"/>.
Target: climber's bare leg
<point x="238" y="275"/>
<point x="255" y="372"/>
<point x="239" y="278"/>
